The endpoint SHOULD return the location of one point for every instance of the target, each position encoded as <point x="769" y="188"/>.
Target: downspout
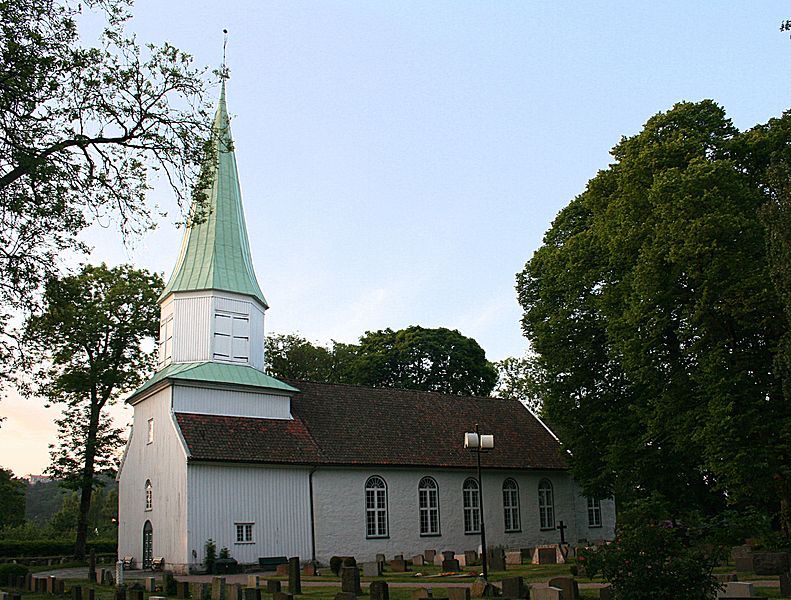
<point x="312" y="517"/>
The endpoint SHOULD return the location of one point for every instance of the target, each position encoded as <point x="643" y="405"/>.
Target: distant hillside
<point x="44" y="498"/>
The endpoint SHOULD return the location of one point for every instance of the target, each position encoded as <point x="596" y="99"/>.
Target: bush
<point x="656" y="561"/>
<point x="9" y="571"/>
<point x="22" y="548"/>
<point x="210" y="555"/>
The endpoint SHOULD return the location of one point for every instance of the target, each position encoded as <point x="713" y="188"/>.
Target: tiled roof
<point x="351" y="425"/>
<point x="214" y="372"/>
<point x="215" y="252"/>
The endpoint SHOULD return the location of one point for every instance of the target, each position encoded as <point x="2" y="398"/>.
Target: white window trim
<point x="510" y="494"/>
<point x="546" y="505"/>
<point x="149" y="496"/>
<point x="428" y="492"/>
<point x="234" y="318"/>
<point x="247" y="529"/>
<point x="594" y="510"/>
<point x="378" y="508"/>
<point x="165" y="346"/>
<point x="150" y="431"/>
<point x="470" y="493"/>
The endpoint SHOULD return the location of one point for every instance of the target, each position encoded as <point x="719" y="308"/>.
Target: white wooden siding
<point x="205" y="400"/>
<point x="193" y="328"/>
<point x="163" y="462"/>
<point x="275" y="499"/>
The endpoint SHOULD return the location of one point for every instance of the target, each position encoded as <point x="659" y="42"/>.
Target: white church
<point x="220" y="450"/>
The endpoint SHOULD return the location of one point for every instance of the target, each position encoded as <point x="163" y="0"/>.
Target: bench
<point x="269" y="563"/>
<point x="158" y="563"/>
<point x="129" y="562"/>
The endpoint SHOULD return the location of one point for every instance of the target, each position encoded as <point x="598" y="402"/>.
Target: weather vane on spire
<point x="224" y="69"/>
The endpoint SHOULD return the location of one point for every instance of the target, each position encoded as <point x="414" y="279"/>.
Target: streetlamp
<point x="477" y="442"/>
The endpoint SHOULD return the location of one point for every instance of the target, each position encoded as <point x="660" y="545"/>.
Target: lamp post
<point x="476" y="442"/>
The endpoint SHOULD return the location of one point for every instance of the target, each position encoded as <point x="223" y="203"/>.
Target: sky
<point x="401" y="161"/>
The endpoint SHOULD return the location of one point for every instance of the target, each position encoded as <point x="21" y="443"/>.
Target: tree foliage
<point x="80" y="130"/>
<point x="519" y="379"/>
<point x="656" y="308"/>
<point x="293" y="357"/>
<point x="12" y="499"/>
<point x="87" y="343"/>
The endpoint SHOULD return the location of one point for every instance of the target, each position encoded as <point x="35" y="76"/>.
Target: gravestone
<point x="398" y="566"/>
<point x="462" y="560"/>
<point x="76" y="593"/>
<point x="448" y="555"/>
<point x="547" y="556"/>
<point x="495" y="555"/>
<point x="482" y="589"/>
<point x="724" y="577"/>
<point x="282" y="569"/>
<point x="41" y="585"/>
<point x="294" y="577"/>
<point x="546" y="593"/>
<point x="218" y="588"/>
<point x="272" y="586"/>
<point x="380" y="558"/>
<point x="200" y="591"/>
<point x="785" y="583"/>
<point x="470" y="557"/>
<point x="451" y="565"/>
<point x="438" y="560"/>
<point x="571" y="590"/>
<point x="120" y="593"/>
<point x="92" y="594"/>
<point x="513" y="557"/>
<point x="29" y="582"/>
<point x="372" y="569"/>
<point x="458" y="593"/>
<point x="514" y="588"/>
<point x="168" y="583"/>
<point x="282" y="596"/>
<point x="740" y="551"/>
<point x="51" y="584"/>
<point x="151" y="584"/>
<point x="350" y="580"/>
<point x="136" y="594"/>
<point x="420" y="594"/>
<point x="379" y="590"/>
<point x="418" y="560"/>
<point x="736" y="589"/>
<point x="770" y="563"/>
<point x="429" y="555"/>
<point x="253" y="581"/>
<point x="310" y="569"/>
<point x="252" y="593"/>
<point x="233" y="591"/>
<point x="182" y="590"/>
<point x="606" y="593"/>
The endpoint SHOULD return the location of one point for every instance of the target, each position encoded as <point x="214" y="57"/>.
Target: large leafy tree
<point x="657" y="314"/>
<point x="293" y="357"/>
<point x="87" y="344"/>
<point x="12" y="499"/>
<point x="439" y="360"/>
<point x="80" y="129"/>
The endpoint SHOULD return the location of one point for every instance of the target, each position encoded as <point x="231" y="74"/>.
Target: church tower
<point x="212" y="308"/>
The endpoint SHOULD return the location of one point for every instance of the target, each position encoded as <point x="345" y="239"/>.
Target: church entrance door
<point x="148" y="545"/>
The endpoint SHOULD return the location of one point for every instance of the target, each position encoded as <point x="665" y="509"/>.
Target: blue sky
<point x="400" y="161"/>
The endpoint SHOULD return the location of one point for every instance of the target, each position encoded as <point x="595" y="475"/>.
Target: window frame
<point x="546" y="505"/>
<point x="149" y="496"/>
<point x="511" y="506"/>
<point x="428" y="488"/>
<point x="165" y="344"/>
<point x="246" y="529"/>
<point x="150" y="431"/>
<point x="376" y="512"/>
<point x="238" y="329"/>
<point x="471" y="503"/>
<point x="594" y="510"/>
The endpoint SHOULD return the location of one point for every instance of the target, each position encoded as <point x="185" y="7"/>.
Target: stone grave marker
<point x="418" y="560"/>
<point x="461" y="558"/>
<point x="282" y="596"/>
<point x="398" y="565"/>
<point x="218" y="588"/>
<point x="451" y="565"/>
<point x="514" y="588"/>
<point x="294" y="577"/>
<point x="481" y="588"/>
<point x="770" y="563"/>
<point x="182" y="590"/>
<point x="448" y="555"/>
<point x="736" y="589"/>
<point x="136" y="594"/>
<point x="252" y="593"/>
<point x="495" y="556"/>
<point x="571" y="590"/>
<point x="51" y="584"/>
<point x="272" y="586"/>
<point x="513" y="557"/>
<point x="379" y="590"/>
<point x="546" y="593"/>
<point x="458" y="593"/>
<point x="168" y="583"/>
<point x="29" y="582"/>
<point x="420" y="594"/>
<point x="438" y="560"/>
<point x="372" y="569"/>
<point x="310" y="569"/>
<point x="253" y="581"/>
<point x="547" y="556"/>
<point x="233" y="591"/>
<point x="380" y="558"/>
<point x="41" y="585"/>
<point x="76" y="593"/>
<point x="724" y="577"/>
<point x="429" y="555"/>
<point x="470" y="557"/>
<point x="120" y="593"/>
<point x="92" y="594"/>
<point x="150" y="584"/>
<point x="199" y="591"/>
<point x="350" y="580"/>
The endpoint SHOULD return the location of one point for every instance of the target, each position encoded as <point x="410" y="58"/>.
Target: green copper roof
<point x="215" y="253"/>
<point x="212" y="372"/>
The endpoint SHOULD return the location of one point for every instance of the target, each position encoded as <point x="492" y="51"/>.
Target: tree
<point x="519" y="379"/>
<point x="656" y="325"/>
<point x="291" y="356"/>
<point x="87" y="341"/>
<point x="440" y="360"/>
<point x="12" y="499"/>
<point x="80" y="129"/>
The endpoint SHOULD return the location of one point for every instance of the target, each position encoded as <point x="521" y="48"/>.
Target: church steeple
<point x="215" y="251"/>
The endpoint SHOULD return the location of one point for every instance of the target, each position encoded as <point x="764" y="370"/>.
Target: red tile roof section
<point x="352" y="425"/>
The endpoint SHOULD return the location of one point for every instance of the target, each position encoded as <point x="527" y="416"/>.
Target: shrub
<point x="210" y="555"/>
<point x="9" y="571"/>
<point x="225" y="553"/>
<point x="22" y="548"/>
<point x="654" y="560"/>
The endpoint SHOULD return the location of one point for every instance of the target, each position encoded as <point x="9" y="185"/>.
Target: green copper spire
<point x="215" y="253"/>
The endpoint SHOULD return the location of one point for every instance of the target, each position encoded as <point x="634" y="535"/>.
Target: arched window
<point x="375" y="507"/>
<point x="594" y="512"/>
<point x="149" y="495"/>
<point x="511" y="505"/>
<point x="472" y="506"/>
<point x="546" y="504"/>
<point x="428" y="504"/>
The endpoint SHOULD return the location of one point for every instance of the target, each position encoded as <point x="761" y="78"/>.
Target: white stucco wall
<point x="163" y="462"/>
<point x="276" y="500"/>
<point x="339" y="499"/>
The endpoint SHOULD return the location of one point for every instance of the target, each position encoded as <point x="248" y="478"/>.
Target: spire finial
<point x="224" y="70"/>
